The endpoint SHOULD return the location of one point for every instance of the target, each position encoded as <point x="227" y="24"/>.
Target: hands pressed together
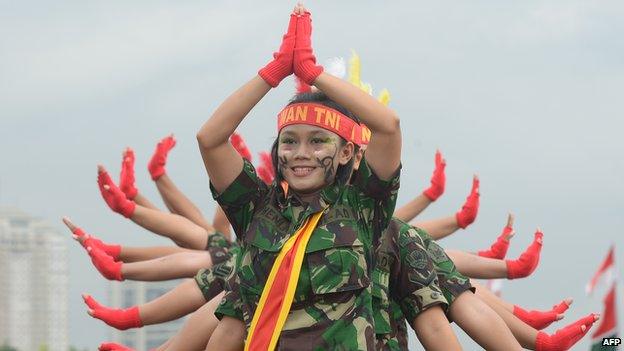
<point x="295" y="55"/>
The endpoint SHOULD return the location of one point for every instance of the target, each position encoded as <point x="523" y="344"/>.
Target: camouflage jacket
<point x="404" y="284"/>
<point x="332" y="307"/>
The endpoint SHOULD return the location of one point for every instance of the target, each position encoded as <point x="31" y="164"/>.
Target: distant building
<point x="33" y="283"/>
<point x="129" y="293"/>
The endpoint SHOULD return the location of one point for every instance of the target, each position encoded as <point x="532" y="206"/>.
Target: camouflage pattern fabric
<point x="218" y="246"/>
<point x="404" y="284"/>
<point x="451" y="281"/>
<point x="332" y="307"/>
<point x="212" y="281"/>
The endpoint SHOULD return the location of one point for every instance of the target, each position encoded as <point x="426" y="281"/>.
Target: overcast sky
<point x="528" y="94"/>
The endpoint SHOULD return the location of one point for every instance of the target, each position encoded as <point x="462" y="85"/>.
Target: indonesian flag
<point x="605" y="273"/>
<point x="608" y="324"/>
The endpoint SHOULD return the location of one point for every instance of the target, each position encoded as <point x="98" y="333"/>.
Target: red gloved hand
<point x="438" y="179"/>
<point x="304" y="63"/>
<point x="469" y="211"/>
<point x="282" y="65"/>
<point x="157" y="164"/>
<point x="115" y="198"/>
<point x="111" y="346"/>
<point x="126" y="178"/>
<point x="118" y="318"/>
<point x="265" y="170"/>
<point x="239" y="144"/>
<point x="105" y="264"/>
<point x="564" y="338"/>
<point x="499" y="249"/>
<point x="542" y="319"/>
<point x="528" y="260"/>
<point x="87" y="240"/>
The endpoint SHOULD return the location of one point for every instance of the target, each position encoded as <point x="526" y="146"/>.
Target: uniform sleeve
<point x="231" y="304"/>
<point x="239" y="200"/>
<point x="212" y="281"/>
<point x="378" y="197"/>
<point x="414" y="283"/>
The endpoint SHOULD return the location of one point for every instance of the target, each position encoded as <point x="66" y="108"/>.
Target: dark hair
<point x="343" y="173"/>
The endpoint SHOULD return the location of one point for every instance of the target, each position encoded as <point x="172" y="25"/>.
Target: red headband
<point x="320" y="116"/>
<point x="361" y="135"/>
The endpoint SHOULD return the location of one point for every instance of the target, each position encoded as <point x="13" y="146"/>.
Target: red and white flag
<point x="606" y="273"/>
<point x="606" y="334"/>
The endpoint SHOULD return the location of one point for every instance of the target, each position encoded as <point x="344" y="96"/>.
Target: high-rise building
<point x="130" y="293"/>
<point x="33" y="283"/>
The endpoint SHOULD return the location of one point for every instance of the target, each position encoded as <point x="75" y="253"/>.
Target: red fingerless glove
<point x="528" y="260"/>
<point x="499" y="249"/>
<point x="118" y="318"/>
<point x="564" y="338"/>
<point x="157" y="164"/>
<point x="111" y="346"/>
<point x="282" y="65"/>
<point x="438" y="179"/>
<point x="115" y="198"/>
<point x="126" y="178"/>
<point x="87" y="240"/>
<point x="105" y="264"/>
<point x="304" y="63"/>
<point x="469" y="211"/>
<point x="537" y="319"/>
<point x="239" y="144"/>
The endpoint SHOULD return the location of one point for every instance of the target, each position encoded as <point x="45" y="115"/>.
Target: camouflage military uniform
<point x="404" y="284"/>
<point x="390" y="323"/>
<point x="451" y="281"/>
<point x="218" y="246"/>
<point x="332" y="307"/>
<point x="211" y="281"/>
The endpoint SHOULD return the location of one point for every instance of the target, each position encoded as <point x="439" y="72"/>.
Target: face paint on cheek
<point x="282" y="161"/>
<point x="327" y="163"/>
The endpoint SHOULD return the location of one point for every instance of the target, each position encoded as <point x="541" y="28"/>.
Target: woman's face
<point x="309" y="156"/>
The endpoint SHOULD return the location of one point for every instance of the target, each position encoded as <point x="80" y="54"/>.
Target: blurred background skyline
<point x="526" y="94"/>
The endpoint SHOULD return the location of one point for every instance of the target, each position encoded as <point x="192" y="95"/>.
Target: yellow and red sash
<point x="279" y="290"/>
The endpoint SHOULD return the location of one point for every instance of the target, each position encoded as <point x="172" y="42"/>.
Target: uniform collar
<point x="321" y="200"/>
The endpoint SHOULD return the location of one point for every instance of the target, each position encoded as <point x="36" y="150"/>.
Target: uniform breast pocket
<point x="256" y="262"/>
<point x="338" y="269"/>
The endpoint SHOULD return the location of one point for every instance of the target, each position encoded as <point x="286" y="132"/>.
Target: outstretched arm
<point x="229" y="336"/>
<point x="434" y="331"/>
<point x="179" y="229"/>
<point x="121" y="253"/>
<point x="439" y="228"/>
<point x="488" y="268"/>
<point x="173" y="198"/>
<point x="127" y="179"/>
<point x="445" y="226"/>
<point x="179" y="204"/>
<point x="413" y="208"/>
<point x="174" y="266"/>
<point x="182" y="300"/>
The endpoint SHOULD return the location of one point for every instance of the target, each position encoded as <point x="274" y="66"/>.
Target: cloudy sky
<point x="528" y="94"/>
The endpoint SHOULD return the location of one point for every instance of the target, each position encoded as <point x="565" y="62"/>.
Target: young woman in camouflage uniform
<point x="332" y="306"/>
